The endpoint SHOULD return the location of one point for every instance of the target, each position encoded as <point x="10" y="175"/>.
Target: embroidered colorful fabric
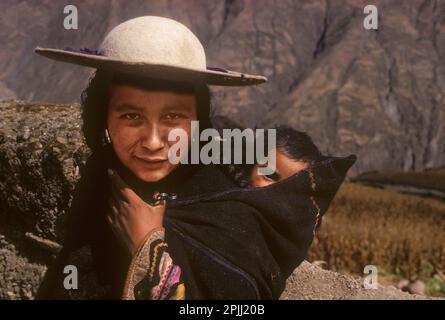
<point x="314" y="202"/>
<point x="152" y="274"/>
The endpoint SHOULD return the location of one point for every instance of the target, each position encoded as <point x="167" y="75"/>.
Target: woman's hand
<point x="130" y="218"/>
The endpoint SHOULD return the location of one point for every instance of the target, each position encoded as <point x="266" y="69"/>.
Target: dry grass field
<point x="403" y="235"/>
<point x="429" y="179"/>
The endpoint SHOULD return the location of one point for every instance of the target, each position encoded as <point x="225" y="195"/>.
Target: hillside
<point x="377" y="94"/>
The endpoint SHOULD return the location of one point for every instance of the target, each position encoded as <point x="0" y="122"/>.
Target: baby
<point x="294" y="152"/>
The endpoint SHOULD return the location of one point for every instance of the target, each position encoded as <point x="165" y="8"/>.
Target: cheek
<point x="258" y="180"/>
<point x="186" y="127"/>
<point x="123" y="138"/>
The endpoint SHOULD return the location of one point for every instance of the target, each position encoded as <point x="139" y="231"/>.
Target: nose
<point x="152" y="139"/>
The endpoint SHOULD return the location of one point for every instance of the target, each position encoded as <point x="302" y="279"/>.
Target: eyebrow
<point x="125" y="106"/>
<point x="176" y="107"/>
<point x="128" y="106"/>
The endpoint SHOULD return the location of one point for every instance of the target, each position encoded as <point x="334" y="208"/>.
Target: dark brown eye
<point x="131" y="116"/>
<point x="173" y="116"/>
<point x="274" y="176"/>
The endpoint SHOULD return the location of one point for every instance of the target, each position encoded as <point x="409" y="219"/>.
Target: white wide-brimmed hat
<point x="154" y="47"/>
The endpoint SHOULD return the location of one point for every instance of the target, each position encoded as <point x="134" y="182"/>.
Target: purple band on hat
<point x="217" y="69"/>
<point x="84" y="50"/>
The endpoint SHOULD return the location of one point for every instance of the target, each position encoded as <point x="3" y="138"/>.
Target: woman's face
<point x="139" y="122"/>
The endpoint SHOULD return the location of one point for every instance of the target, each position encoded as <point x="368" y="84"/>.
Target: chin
<point x="151" y="176"/>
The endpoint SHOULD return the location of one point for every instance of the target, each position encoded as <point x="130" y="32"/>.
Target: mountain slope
<point x="379" y="94"/>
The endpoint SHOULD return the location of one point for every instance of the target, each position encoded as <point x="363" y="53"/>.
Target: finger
<point x="158" y="203"/>
<point x="113" y="207"/>
<point x="110" y="220"/>
<point x="123" y="189"/>
<point x="158" y="208"/>
<point x="111" y="224"/>
<point x="117" y="184"/>
<point x="116" y="194"/>
<point x="113" y="227"/>
<point x="158" y="200"/>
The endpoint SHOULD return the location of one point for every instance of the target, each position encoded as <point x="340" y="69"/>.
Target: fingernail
<point x="110" y="172"/>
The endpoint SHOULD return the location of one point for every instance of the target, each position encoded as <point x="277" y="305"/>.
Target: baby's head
<point x="294" y="152"/>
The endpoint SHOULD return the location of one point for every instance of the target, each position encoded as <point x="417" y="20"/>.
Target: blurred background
<point x="378" y="94"/>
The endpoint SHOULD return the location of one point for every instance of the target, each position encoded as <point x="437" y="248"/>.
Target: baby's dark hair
<point x="297" y="145"/>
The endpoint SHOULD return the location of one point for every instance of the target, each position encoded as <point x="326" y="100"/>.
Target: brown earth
<point x="310" y="282"/>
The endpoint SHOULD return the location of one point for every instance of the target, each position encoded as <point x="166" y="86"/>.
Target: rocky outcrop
<point x="310" y="282"/>
<point x="41" y="153"/>
<point x="19" y="277"/>
<point x="378" y="94"/>
<point x="41" y="156"/>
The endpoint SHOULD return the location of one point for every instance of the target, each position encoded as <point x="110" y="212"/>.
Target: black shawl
<point x="231" y="242"/>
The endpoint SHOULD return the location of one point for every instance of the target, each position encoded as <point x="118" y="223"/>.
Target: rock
<point x="37" y="174"/>
<point x="45" y="244"/>
<point x="417" y="287"/>
<point x="311" y="282"/>
<point x="403" y="285"/>
<point x="320" y="263"/>
<point x="19" y="278"/>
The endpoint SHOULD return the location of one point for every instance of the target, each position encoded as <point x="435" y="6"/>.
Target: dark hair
<point x="95" y="99"/>
<point x="297" y="145"/>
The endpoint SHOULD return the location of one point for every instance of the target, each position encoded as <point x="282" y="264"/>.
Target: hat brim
<point x="167" y="72"/>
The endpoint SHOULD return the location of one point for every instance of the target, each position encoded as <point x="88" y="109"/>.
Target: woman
<point x="212" y="240"/>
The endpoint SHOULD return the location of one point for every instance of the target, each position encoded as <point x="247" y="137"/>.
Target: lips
<point x="151" y="162"/>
